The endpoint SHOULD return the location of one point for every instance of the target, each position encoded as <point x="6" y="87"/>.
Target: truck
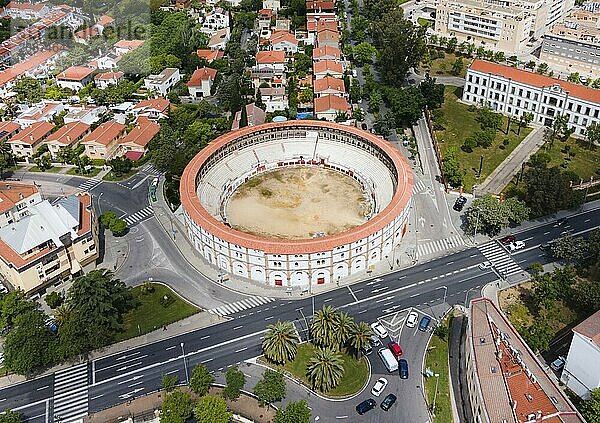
<point x="391" y="362"/>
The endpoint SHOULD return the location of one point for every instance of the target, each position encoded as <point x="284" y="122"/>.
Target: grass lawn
<point x="355" y="376"/>
<point x="110" y="176"/>
<point x="437" y="360"/>
<point x="442" y="66"/>
<point x="577" y="156"/>
<point x="53" y="169"/>
<point x="75" y="171"/>
<point x="460" y="124"/>
<point x="427" y="23"/>
<point x="152" y="312"/>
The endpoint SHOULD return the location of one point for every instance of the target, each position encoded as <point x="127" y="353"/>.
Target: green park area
<point x="90" y="173"/>
<point x="575" y="155"/>
<point x="156" y="305"/>
<point x="436" y="359"/>
<point x="443" y="65"/>
<point x="458" y="122"/>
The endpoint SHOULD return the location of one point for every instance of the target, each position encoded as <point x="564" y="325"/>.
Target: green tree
<point x="54" y="299"/>
<point x="364" y="52"/>
<point x="345" y="328"/>
<point x="375" y="101"/>
<point x="590" y="408"/>
<point x="355" y="91"/>
<point x="235" y="379"/>
<point x="212" y="409"/>
<point x="201" y="380"/>
<point x="10" y="416"/>
<point x="489" y="215"/>
<point x="293" y="412"/>
<point x="302" y="63"/>
<point x="573" y="77"/>
<point x="169" y="383"/>
<point x="13" y="305"/>
<point x="539" y="334"/>
<point x="324" y="327"/>
<point x="28" y="344"/>
<point x="177" y="407"/>
<point x="107" y="218"/>
<point x="542" y="68"/>
<point x="120" y="165"/>
<point x="457" y="66"/>
<point x="487" y="118"/>
<point x="548" y="190"/>
<point x="270" y="388"/>
<point x="325" y="369"/>
<point x="453" y="171"/>
<point x="244" y="117"/>
<point x="570" y="249"/>
<point x="592" y="132"/>
<point x="360" y="337"/>
<point x="28" y="90"/>
<point x="281" y="342"/>
<point x="433" y="93"/>
<point x="118" y="227"/>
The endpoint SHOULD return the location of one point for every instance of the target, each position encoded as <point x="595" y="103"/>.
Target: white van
<point x="391" y="363"/>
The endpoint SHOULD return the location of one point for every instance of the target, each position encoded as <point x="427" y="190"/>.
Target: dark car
<point x="424" y="323"/>
<point x="403" y="368"/>
<point x="459" y="203"/>
<point x="366" y="405"/>
<point x="508" y="239"/>
<point x="388" y="401"/>
<point x="375" y="341"/>
<point x="545" y="247"/>
<point x="364" y="126"/>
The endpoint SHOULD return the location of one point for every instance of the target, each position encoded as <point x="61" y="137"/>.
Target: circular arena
<point x="296" y="203"/>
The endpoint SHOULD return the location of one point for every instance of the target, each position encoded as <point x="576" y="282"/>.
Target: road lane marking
<point x="96" y="397"/>
<point x="414" y="295"/>
<point x="238" y="327"/>
<point x="269" y="318"/>
<point x="122" y="362"/>
<point x="173" y="371"/>
<point x="42" y="388"/>
<point x="351" y="293"/>
<point x="427" y="270"/>
<point x="327" y="300"/>
<point x="205" y="337"/>
<point x="170" y="348"/>
<point x="546" y="233"/>
<point x="207" y="360"/>
<point x="133" y="379"/>
<point x="241" y="349"/>
<point x="449" y="263"/>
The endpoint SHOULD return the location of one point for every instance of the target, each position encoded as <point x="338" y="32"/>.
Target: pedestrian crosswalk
<point x="500" y="259"/>
<point x="440" y="245"/>
<point x="419" y="187"/>
<point x="89" y="184"/>
<point x="71" y="394"/>
<point x="151" y="169"/>
<point x="139" y="215"/>
<point x="238" y="306"/>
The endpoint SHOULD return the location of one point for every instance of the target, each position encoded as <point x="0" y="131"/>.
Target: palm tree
<point x="281" y="342"/>
<point x="345" y="328"/>
<point x="324" y="326"/>
<point x="360" y="337"/>
<point x="325" y="369"/>
<point x="63" y="313"/>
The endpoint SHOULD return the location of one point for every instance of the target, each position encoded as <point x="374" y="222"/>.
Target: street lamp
<point x="467" y="296"/>
<point x="187" y="379"/>
<point x="437" y="380"/>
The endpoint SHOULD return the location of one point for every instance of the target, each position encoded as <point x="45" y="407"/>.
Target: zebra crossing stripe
<point x="70" y="400"/>
<point x="241" y="305"/>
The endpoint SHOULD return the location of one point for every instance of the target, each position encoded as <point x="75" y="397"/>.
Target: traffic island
<point x="437" y="386"/>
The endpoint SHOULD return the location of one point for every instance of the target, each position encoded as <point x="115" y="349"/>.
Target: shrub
<point x="54" y="299"/>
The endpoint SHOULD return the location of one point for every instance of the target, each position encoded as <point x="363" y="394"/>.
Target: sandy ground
<point x="297" y="203"/>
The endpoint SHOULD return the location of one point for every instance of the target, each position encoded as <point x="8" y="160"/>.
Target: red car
<point x="395" y="349"/>
<point x="509" y="239"/>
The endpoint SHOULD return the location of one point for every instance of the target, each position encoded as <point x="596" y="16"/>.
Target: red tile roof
<point x="69" y="133"/>
<point x="279" y="36"/>
<point x="11" y="194"/>
<point x="129" y="44"/>
<point x="34" y="60"/>
<point x="264" y="57"/>
<point x="26" y="6"/>
<point x="590" y="328"/>
<point x="33" y="134"/>
<point x="535" y="79"/>
<point x="320" y="5"/>
<point x="331" y="102"/>
<point x="75" y="73"/>
<point x="202" y="74"/>
<point x="159" y="103"/>
<point x="328" y="35"/>
<point x="107" y="76"/>
<point x="105" y="20"/>
<point x="210" y="55"/>
<point x="326" y="51"/>
<point x="142" y="133"/>
<point x="105" y="133"/>
<point x="7" y="128"/>
<point x="328" y="65"/>
<point x="133" y="155"/>
<point x="329" y="83"/>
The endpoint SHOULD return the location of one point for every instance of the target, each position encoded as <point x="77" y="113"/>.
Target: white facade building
<point x="515" y="92"/>
<point x="217" y="19"/>
<point x="163" y="82"/>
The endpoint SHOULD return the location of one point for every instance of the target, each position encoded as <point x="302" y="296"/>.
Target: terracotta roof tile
<point x="159" y="103"/>
<point x="331" y="102"/>
<point x="142" y="133"/>
<point x="279" y="36"/>
<point x="328" y="65"/>
<point x="11" y="194"/>
<point x="107" y="76"/>
<point x="329" y="83"/>
<point x="7" y="128"/>
<point x="202" y="74"/>
<point x="264" y="57"/>
<point x="33" y="134"/>
<point x="34" y="60"/>
<point x="105" y="133"/>
<point x="210" y="55"/>
<point x="75" y="73"/>
<point x="326" y="51"/>
<point x="69" y="133"/>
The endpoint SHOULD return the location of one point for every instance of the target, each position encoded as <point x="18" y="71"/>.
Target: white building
<point x="219" y="39"/>
<point x="284" y="41"/>
<point x="103" y="80"/>
<point x="201" y="83"/>
<point x="217" y="19"/>
<point x="163" y="82"/>
<point x="581" y="373"/>
<point x="75" y="77"/>
<point x="274" y="5"/>
<point x="274" y="99"/>
<point x="515" y="92"/>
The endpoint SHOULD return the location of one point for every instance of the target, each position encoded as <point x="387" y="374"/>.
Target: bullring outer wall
<point x="297" y="262"/>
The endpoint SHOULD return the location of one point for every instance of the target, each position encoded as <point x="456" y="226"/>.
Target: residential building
<point x="49" y="243"/>
<point x="103" y="80"/>
<point x="127" y="46"/>
<point x="201" y="83"/>
<point x="14" y="199"/>
<point x="210" y="55"/>
<point x="581" y="372"/>
<point x="43" y="111"/>
<point x="162" y="83"/>
<point x="274" y="5"/>
<point x="264" y="20"/>
<point x="269" y="69"/>
<point x="27" y="141"/>
<point x="274" y="99"/>
<point x="255" y="114"/>
<point x="575" y="42"/>
<point x="26" y="11"/>
<point x="215" y="20"/>
<point x="503" y="26"/>
<point x="319" y="6"/>
<point x="153" y="108"/>
<point x="284" y="41"/>
<point x="8" y="129"/>
<point x="75" y="77"/>
<point x="86" y="114"/>
<point x="68" y="135"/>
<point x="326" y="53"/>
<point x="107" y="62"/>
<point x="138" y="138"/>
<point x="329" y="106"/>
<point x="505" y="381"/>
<point x="327" y="37"/>
<point x="324" y="68"/>
<point x="102" y="142"/>
<point x="329" y="85"/>
<point x="219" y="39"/>
<point x="515" y="92"/>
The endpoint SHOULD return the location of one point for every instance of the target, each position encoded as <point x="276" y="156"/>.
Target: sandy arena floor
<point x="297" y="203"/>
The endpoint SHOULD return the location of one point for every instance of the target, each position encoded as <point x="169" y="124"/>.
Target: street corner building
<point x="43" y="243"/>
<point x="381" y="173"/>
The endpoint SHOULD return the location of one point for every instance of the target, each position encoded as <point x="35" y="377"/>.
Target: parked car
<point x="395" y="349"/>
<point x="3" y="289"/>
<point x="412" y="319"/>
<point x="459" y="203"/>
<point x="558" y="364"/>
<point x="403" y="368"/>
<point x="508" y="239"/>
<point x="517" y="245"/>
<point x="366" y="405"/>
<point x="388" y="401"/>
<point x="379" y="330"/>
<point x="379" y="386"/>
<point x="367" y="349"/>
<point x="375" y="341"/>
<point x="364" y="126"/>
<point x="485" y="265"/>
<point x="424" y="323"/>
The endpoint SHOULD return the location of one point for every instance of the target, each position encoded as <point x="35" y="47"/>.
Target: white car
<point x="485" y="265"/>
<point x="517" y="245"/>
<point x="558" y="364"/>
<point x="379" y="330"/>
<point x="412" y="319"/>
<point x="379" y="386"/>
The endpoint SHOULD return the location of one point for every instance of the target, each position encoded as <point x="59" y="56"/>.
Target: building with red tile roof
<point x="327" y="37"/>
<point x="329" y="85"/>
<point x="27" y="141"/>
<point x="201" y="82"/>
<point x="102" y="142"/>
<point x="36" y="63"/>
<point x="153" y="108"/>
<point x="515" y="91"/>
<point x="323" y="68"/>
<point x="284" y="41"/>
<point x="210" y="55"/>
<point x="320" y="6"/>
<point x="255" y="115"/>
<point x="8" y="129"/>
<point x="138" y="138"/>
<point x="26" y="11"/>
<point x="127" y="46"/>
<point x="68" y="135"/>
<point x="13" y="198"/>
<point x="315" y="26"/>
<point x="581" y="372"/>
<point x="326" y="53"/>
<point x="103" y="80"/>
<point x="75" y="77"/>
<point x="506" y="382"/>
<point x="329" y="106"/>
<point x="270" y="57"/>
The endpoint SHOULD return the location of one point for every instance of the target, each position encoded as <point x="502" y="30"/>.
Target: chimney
<point x="21" y="196"/>
<point x="68" y="138"/>
<point x="31" y="138"/>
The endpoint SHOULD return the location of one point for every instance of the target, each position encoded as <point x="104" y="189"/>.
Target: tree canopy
<point x="293" y="412"/>
<point x="212" y="409"/>
<point x="270" y="388"/>
<point x="489" y="215"/>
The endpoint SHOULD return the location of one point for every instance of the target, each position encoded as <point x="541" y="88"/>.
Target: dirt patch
<point x="298" y="203"/>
